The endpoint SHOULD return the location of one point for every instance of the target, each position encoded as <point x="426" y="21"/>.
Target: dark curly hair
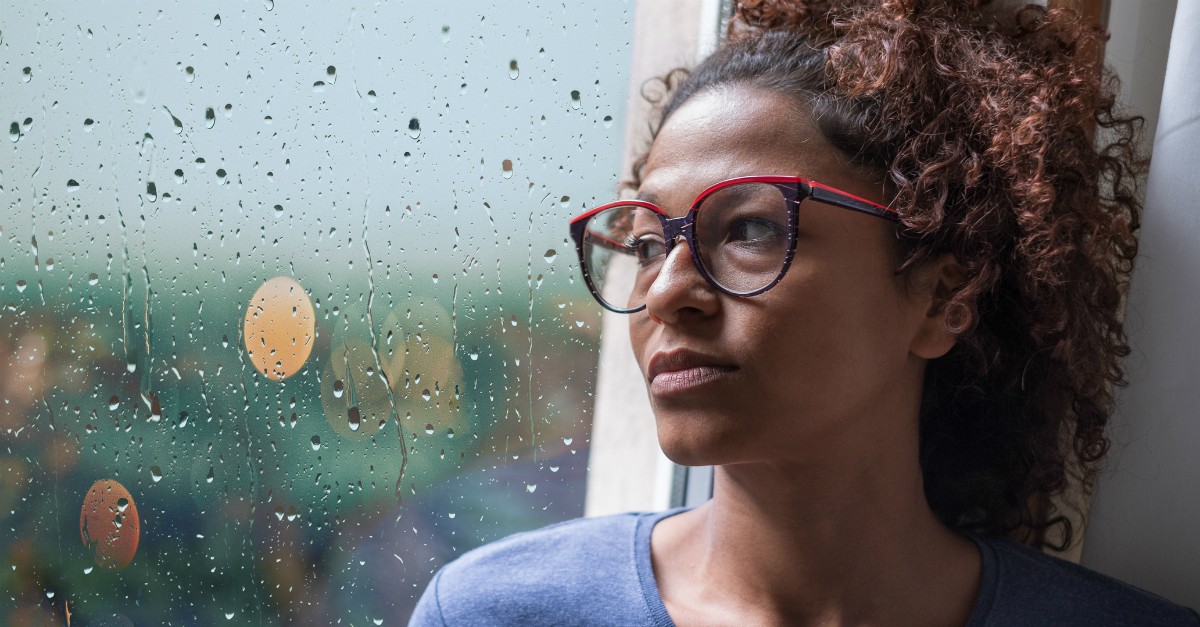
<point x="1002" y="144"/>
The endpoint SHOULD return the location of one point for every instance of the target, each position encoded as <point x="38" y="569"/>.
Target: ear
<point x="939" y="280"/>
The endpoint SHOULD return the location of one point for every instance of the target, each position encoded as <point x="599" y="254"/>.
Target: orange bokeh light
<point x="279" y="329"/>
<point x="109" y="524"/>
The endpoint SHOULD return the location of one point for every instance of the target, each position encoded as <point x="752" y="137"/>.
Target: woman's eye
<point x="758" y="231"/>
<point x="646" y="248"/>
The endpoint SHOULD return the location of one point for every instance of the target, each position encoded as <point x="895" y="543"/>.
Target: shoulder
<point x="1033" y="588"/>
<point x="555" y="575"/>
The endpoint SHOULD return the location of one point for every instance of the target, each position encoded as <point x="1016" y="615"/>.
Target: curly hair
<point x="1003" y="145"/>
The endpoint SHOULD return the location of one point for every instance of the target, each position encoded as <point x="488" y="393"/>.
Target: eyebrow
<point x="647" y="197"/>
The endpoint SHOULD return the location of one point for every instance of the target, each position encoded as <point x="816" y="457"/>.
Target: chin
<point x="693" y="445"/>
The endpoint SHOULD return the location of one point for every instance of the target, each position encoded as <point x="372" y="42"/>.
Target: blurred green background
<point x="413" y="167"/>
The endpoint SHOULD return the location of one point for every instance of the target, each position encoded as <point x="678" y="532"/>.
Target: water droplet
<point x="354" y="418"/>
<point x="26" y="74"/>
<point x="332" y="71"/>
<point x="14" y="132"/>
<point x="506" y="168"/>
<point x="179" y="175"/>
<point x="339" y="387"/>
<point x="316" y="442"/>
<point x="474" y="355"/>
<point x="450" y="433"/>
<point x="210" y="117"/>
<point x="87" y="124"/>
<point x="217" y="19"/>
<point x="550" y="255"/>
<point x="189" y="73"/>
<point x="429" y="429"/>
<point x="564" y="202"/>
<point x="151" y="191"/>
<point x="278" y="209"/>
<point x="575" y="104"/>
<point x="513" y="70"/>
<point x="93" y="279"/>
<point x="209" y="477"/>
<point x="318" y="87"/>
<point x="414" y="128"/>
<point x="155" y="474"/>
<point x="425" y="395"/>
<point x="445" y="34"/>
<point x="72" y="185"/>
<point x="608" y="121"/>
<point x="435" y="279"/>
<point x="531" y="487"/>
<point x="20" y="285"/>
<point x="113" y="402"/>
<point x="568" y="441"/>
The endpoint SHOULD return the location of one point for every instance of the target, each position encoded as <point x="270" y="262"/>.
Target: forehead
<point x="733" y="131"/>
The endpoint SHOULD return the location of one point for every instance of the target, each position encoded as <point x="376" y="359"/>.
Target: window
<point x="258" y="258"/>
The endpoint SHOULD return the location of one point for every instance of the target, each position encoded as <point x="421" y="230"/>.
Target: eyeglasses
<point x="742" y="242"/>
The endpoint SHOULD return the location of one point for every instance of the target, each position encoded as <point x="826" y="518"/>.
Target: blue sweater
<point x="597" y="572"/>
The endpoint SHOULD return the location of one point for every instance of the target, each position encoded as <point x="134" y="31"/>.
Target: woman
<point x="873" y="274"/>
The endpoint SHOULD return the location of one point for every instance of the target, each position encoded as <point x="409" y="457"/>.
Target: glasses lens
<point x="744" y="233"/>
<point x="623" y="248"/>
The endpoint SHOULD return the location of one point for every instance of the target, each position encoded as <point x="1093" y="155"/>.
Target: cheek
<point x="640" y="328"/>
<point x="832" y="333"/>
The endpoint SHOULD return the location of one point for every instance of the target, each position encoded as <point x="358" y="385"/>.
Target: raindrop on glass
<point x="316" y="443"/>
<point x="575" y="104"/>
<point x="414" y="128"/>
<point x="550" y="255"/>
<point x="156" y="474"/>
<point x="506" y="168"/>
<point x="513" y="70"/>
<point x="210" y="118"/>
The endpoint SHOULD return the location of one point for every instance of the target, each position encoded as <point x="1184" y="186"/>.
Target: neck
<point x="840" y="537"/>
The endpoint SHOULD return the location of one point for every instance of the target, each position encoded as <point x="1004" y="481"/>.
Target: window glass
<point x="288" y="314"/>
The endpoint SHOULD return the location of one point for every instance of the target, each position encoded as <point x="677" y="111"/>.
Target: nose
<point x="680" y="290"/>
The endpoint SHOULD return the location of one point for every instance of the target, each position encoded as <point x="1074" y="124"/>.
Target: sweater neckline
<point x="658" y="610"/>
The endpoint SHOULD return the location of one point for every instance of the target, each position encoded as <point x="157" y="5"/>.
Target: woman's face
<point x="823" y="357"/>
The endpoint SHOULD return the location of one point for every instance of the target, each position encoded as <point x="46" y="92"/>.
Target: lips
<point x="680" y="370"/>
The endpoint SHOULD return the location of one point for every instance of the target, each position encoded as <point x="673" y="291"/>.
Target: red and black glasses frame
<point x="794" y="190"/>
